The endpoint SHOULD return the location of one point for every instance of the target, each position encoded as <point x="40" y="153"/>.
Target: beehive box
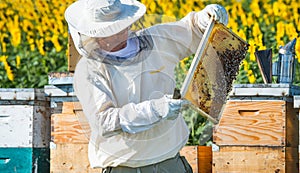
<point x="70" y="135"/>
<point x="60" y="90"/>
<point x="69" y="150"/>
<point x="25" y="131"/>
<point x="254" y="159"/>
<point x="69" y="146"/>
<point x="70" y="132"/>
<point x="258" y="130"/>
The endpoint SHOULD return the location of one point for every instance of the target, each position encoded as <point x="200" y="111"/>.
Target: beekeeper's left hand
<point x="215" y="11"/>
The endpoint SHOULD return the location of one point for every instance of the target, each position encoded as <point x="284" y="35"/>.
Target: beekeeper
<point x="125" y="81"/>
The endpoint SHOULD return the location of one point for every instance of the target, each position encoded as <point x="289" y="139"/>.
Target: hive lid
<point x="59" y="91"/>
<point x="22" y="94"/>
<point x="60" y="78"/>
<point x="258" y="90"/>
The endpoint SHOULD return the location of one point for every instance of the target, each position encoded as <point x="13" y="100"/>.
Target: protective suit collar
<point x="132" y="47"/>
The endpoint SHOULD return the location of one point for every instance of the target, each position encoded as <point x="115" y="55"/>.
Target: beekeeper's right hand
<point x="167" y="108"/>
<point x="139" y="117"/>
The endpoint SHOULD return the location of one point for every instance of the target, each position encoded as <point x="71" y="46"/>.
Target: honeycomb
<point x="216" y="71"/>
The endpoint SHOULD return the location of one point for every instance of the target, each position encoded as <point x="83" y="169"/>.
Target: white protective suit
<point x="116" y="97"/>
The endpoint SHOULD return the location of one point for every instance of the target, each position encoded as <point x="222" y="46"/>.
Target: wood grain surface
<point x="70" y="134"/>
<point x="236" y="159"/>
<point x="73" y="56"/>
<point x="71" y="158"/>
<point x="190" y="153"/>
<point x="252" y="123"/>
<point x="65" y="128"/>
<point x="204" y="159"/>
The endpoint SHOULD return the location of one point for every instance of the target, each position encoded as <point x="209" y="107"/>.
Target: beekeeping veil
<point x="100" y="18"/>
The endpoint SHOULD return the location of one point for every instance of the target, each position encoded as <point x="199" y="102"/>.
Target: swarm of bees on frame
<point x="217" y="70"/>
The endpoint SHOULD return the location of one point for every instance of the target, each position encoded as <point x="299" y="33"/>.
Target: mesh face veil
<point x="87" y="44"/>
<point x="100" y="48"/>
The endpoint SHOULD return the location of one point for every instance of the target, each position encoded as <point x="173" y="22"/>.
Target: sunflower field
<point x="33" y="41"/>
<point x="33" y="34"/>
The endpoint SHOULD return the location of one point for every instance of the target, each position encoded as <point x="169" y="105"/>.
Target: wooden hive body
<point x="70" y="135"/>
<point x="258" y="132"/>
<point x="70" y="138"/>
<point x="25" y="131"/>
<point x="69" y="145"/>
<point x="69" y="151"/>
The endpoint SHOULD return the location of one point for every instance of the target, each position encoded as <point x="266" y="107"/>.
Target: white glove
<point x="135" y="118"/>
<point x="216" y="11"/>
<point x="167" y="108"/>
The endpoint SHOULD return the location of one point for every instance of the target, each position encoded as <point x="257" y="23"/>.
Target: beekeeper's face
<point x="115" y="42"/>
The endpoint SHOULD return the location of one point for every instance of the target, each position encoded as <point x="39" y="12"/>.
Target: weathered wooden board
<point x="58" y="94"/>
<point x="258" y="90"/>
<point x="70" y="158"/>
<point x="65" y="128"/>
<point x="70" y="129"/>
<point x="270" y="123"/>
<point x="24" y="126"/>
<point x="292" y="125"/>
<point x="252" y="123"/>
<point x="69" y="152"/>
<point x="68" y="107"/>
<point x="204" y="159"/>
<point x="190" y="153"/>
<point x="235" y="159"/>
<point x="73" y="56"/>
<point x="199" y="157"/>
<point x="16" y="126"/>
<point x="59" y="91"/>
<point x="60" y="78"/>
<point x="22" y="94"/>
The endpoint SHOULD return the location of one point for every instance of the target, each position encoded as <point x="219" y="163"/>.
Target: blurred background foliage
<point x="33" y="39"/>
